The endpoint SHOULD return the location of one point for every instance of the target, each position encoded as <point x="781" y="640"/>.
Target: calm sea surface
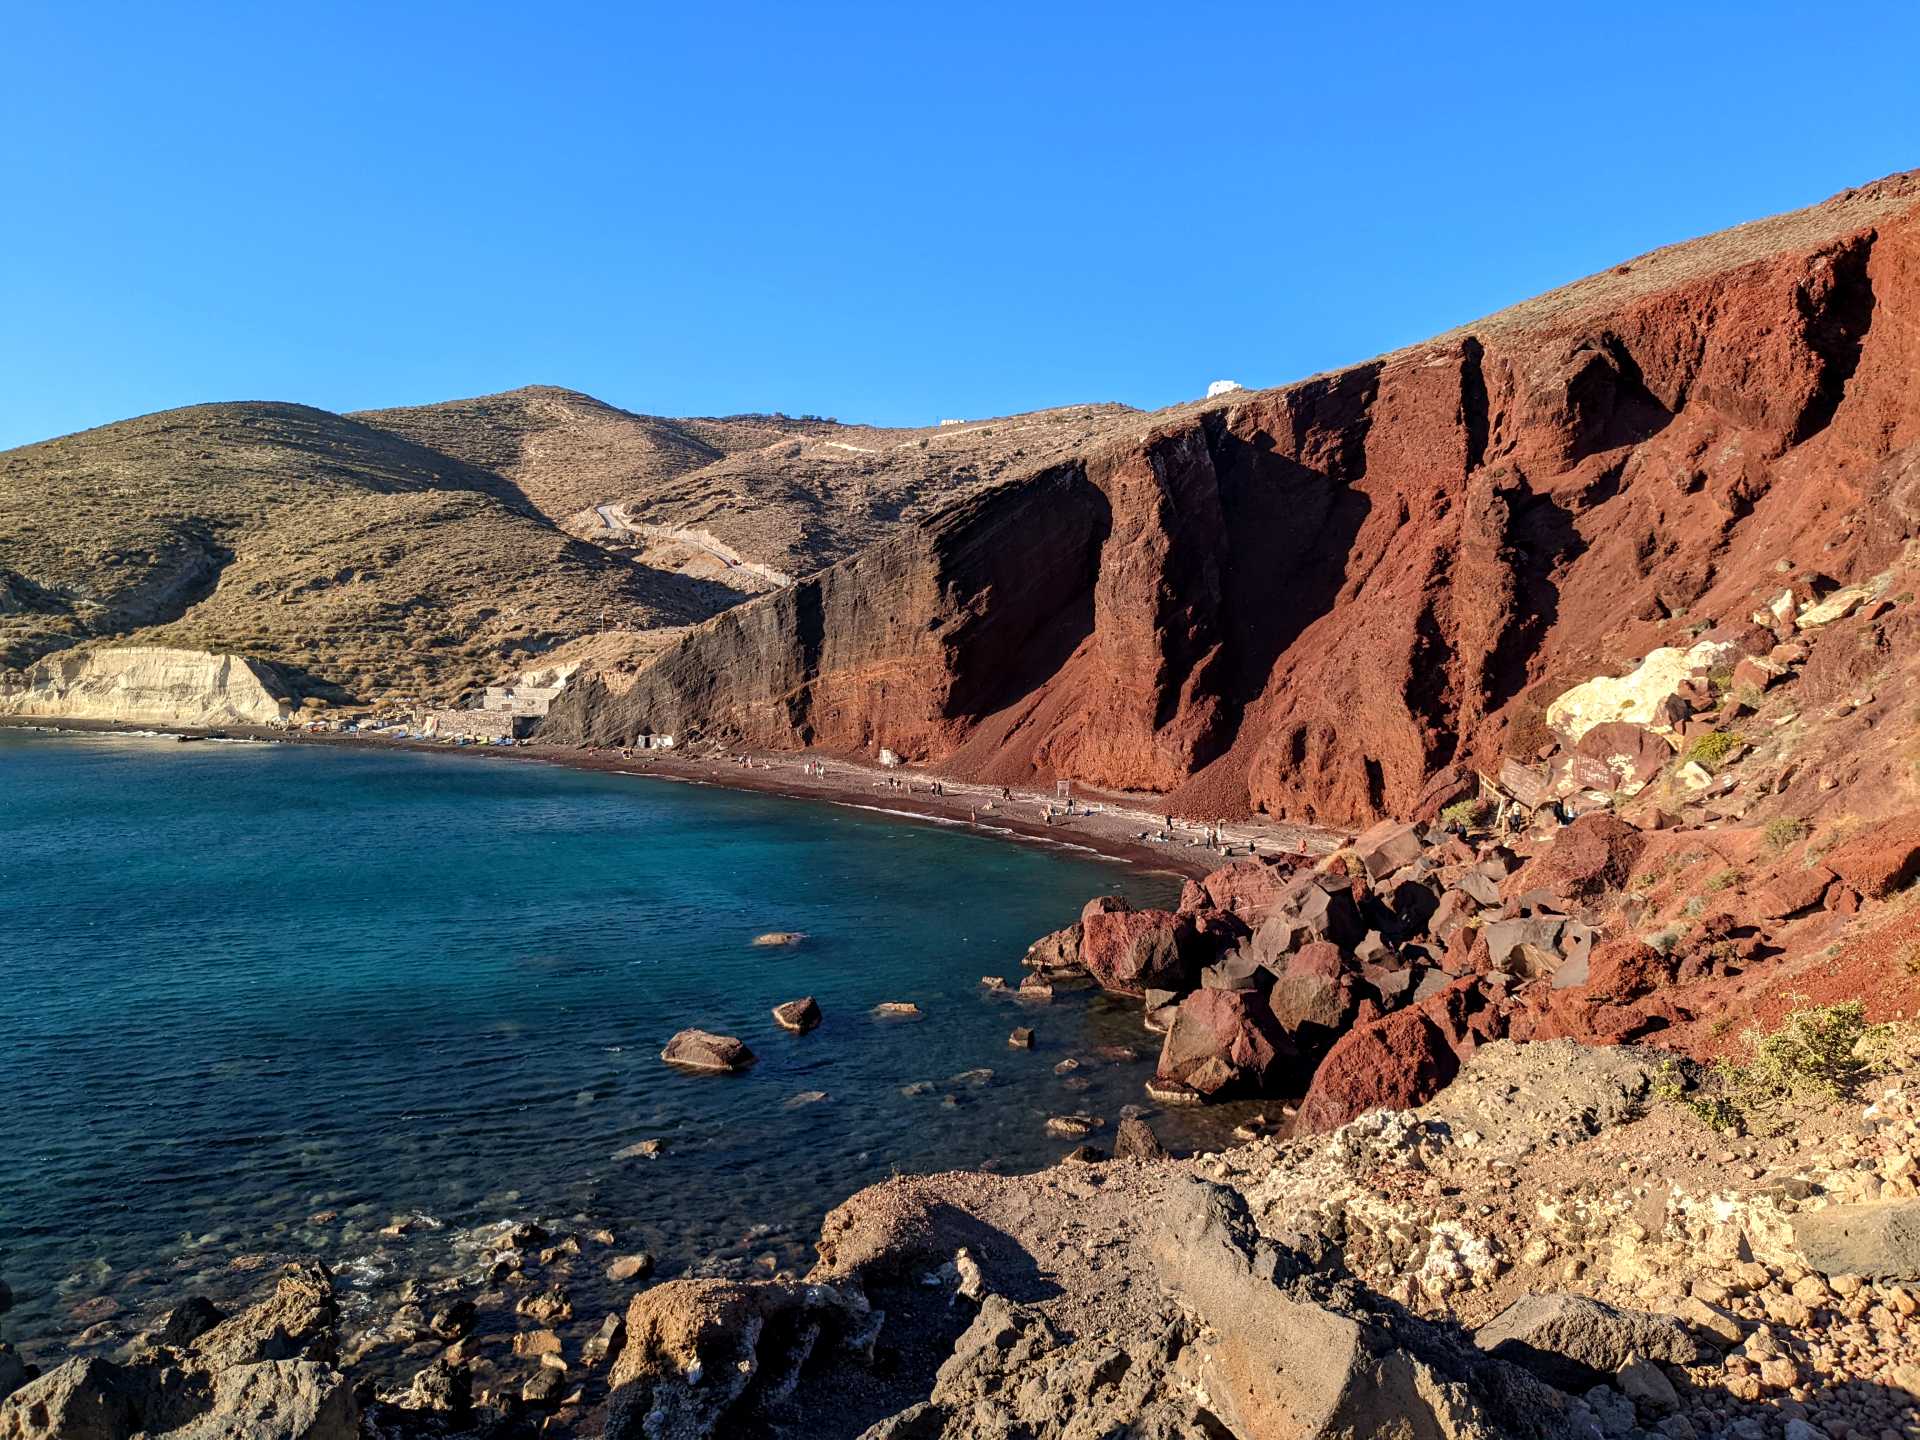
<point x="245" y="985"/>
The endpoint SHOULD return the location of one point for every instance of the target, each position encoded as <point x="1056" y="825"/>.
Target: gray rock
<point x="1481" y="884"/>
<point x="703" y="1050"/>
<point x="13" y="1370"/>
<point x="1647" y="1384"/>
<point x="1527" y="947"/>
<point x="440" y="1388"/>
<point x="278" y="1400"/>
<point x="604" y="1344"/>
<point x="1574" y="1343"/>
<point x="1386" y="847"/>
<point x="189" y="1320"/>
<point x="798" y="1016"/>
<point x="1134" y="1139"/>
<point x="1880" y="1240"/>
<point x="296" y="1323"/>
<point x="1238" y="970"/>
<point x="1280" y="1353"/>
<point x="90" y="1399"/>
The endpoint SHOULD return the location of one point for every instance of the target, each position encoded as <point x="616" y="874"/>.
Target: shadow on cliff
<point x="1290" y="531"/>
<point x="1609" y="410"/>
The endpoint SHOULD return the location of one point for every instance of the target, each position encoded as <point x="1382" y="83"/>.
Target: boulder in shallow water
<point x="777" y="938"/>
<point x="703" y="1050"/>
<point x="798" y="1016"/>
<point x="1130" y="952"/>
<point x="1224" y="1041"/>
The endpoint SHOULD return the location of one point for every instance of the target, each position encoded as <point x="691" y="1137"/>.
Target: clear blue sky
<point x="884" y="213"/>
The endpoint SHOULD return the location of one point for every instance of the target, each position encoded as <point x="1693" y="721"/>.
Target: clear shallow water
<point x="243" y="984"/>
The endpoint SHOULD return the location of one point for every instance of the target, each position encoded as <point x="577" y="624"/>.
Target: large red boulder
<point x="1224" y="1042"/>
<point x="1881" y="860"/>
<point x="1401" y="1060"/>
<point x="1625" y="969"/>
<point x="1133" y="951"/>
<point x="1577" y="1015"/>
<point x="1398" y="1061"/>
<point x="1791" y="890"/>
<point x="1248" y="889"/>
<point x="1633" y="753"/>
<point x="1591" y="856"/>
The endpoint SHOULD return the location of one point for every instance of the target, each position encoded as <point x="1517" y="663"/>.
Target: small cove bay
<point x="262" y="1000"/>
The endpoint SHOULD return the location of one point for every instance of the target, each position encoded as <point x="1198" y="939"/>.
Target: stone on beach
<point x="704" y="1050"/>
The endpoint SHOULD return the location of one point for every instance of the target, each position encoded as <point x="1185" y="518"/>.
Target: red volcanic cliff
<point x="1316" y="601"/>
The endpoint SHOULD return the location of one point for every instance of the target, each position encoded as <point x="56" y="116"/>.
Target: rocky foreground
<point x="1556" y="1246"/>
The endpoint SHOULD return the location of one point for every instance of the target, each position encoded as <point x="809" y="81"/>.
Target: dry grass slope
<point x="565" y="452"/>
<point x="362" y="562"/>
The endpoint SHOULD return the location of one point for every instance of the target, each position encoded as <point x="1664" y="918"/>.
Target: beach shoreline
<point x="1101" y="824"/>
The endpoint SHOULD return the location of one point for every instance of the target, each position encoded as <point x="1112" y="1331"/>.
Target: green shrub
<point x="1723" y="880"/>
<point x="1715" y="1111"/>
<point x="1720" y="678"/>
<point x="1713" y="750"/>
<point x="1466" y="813"/>
<point x="1826" y="1051"/>
<point x="1786" y="832"/>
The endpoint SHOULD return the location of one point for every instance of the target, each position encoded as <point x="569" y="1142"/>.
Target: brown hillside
<point x="1315" y="601"/>
<point x="815" y="497"/>
<point x="360" y="562"/>
<point x="565" y="452"/>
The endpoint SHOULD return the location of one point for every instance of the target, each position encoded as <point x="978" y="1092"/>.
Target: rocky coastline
<point x="1551" y="1247"/>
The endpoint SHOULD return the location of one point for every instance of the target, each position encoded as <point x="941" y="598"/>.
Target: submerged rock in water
<point x="703" y="1050"/>
<point x="774" y="938"/>
<point x="1074" y="1127"/>
<point x="897" y="1010"/>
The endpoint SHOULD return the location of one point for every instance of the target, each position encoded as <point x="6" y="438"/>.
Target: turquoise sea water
<point x="244" y="984"/>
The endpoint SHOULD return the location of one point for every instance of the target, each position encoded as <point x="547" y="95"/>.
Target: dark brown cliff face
<point x="1312" y="601"/>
